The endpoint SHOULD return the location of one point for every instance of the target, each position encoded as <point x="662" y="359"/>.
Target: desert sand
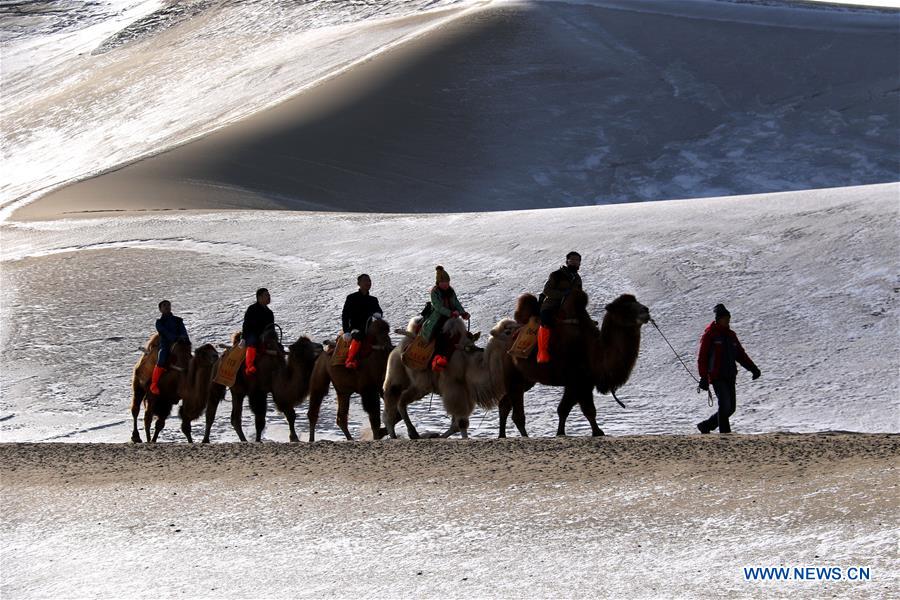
<point x="642" y="516"/>
<point x="521" y="105"/>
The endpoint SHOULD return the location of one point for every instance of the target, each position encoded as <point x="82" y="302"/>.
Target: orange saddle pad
<point x="418" y="354"/>
<point x="341" y="349"/>
<point x="229" y="365"/>
<point x="525" y="340"/>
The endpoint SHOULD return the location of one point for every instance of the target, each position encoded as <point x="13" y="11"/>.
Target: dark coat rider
<point x="359" y="308"/>
<point x="560" y="283"/>
<point x="257" y="318"/>
<point x="170" y="329"/>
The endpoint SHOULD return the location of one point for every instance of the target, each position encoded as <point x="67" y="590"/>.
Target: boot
<point x="351" y="354"/>
<point x="250" y="362"/>
<point x="543" y="355"/>
<point x="439" y="363"/>
<point x="154" y="379"/>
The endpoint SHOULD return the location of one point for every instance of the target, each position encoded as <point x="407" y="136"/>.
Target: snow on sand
<point x="636" y="517"/>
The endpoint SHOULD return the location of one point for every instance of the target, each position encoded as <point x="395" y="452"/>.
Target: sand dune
<point x="631" y="517"/>
<point x="531" y="105"/>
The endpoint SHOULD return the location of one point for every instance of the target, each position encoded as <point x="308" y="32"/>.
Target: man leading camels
<point x="560" y="283"/>
<point x="257" y="318"/>
<point x="359" y="308"/>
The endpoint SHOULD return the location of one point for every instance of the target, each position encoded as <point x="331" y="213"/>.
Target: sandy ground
<point x="650" y="516"/>
<point x="533" y="105"/>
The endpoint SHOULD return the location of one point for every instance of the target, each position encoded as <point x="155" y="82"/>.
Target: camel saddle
<point x="145" y="370"/>
<point x="341" y="349"/>
<point x="525" y="340"/>
<point x="229" y="365"/>
<point x="417" y="355"/>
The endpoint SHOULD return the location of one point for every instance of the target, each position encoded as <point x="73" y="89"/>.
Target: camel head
<point x="304" y="350"/>
<point x="455" y="328"/>
<point x="206" y="354"/>
<point x="413" y="327"/>
<point x="507" y="328"/>
<point x="527" y="306"/>
<point x="380" y="333"/>
<point x="576" y="303"/>
<point x="181" y="353"/>
<point x="626" y="310"/>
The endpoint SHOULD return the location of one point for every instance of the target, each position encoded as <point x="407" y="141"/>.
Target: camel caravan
<point x="550" y="340"/>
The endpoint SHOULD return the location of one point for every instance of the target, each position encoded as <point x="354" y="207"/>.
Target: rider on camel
<point x="359" y="308"/>
<point x="560" y="283"/>
<point x="444" y="305"/>
<point x="170" y="329"/>
<point x="257" y="318"/>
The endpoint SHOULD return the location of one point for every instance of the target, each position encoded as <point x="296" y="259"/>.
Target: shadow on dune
<point x="532" y="106"/>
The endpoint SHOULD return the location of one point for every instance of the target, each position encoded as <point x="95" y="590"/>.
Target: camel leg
<point x="290" y="415"/>
<point x="148" y="419"/>
<point x="186" y="430"/>
<point x="343" y="413"/>
<point x="258" y="406"/>
<point x="160" y="423"/>
<point x="410" y="428"/>
<point x="518" y="410"/>
<point x="590" y="411"/>
<point x="237" y="409"/>
<point x="212" y="404"/>
<point x="454" y="428"/>
<point x="391" y="414"/>
<point x="372" y="406"/>
<point x="136" y="396"/>
<point x="568" y="401"/>
<point x="313" y="415"/>
<point x="460" y="425"/>
<point x="504" y="409"/>
<point x="407" y="398"/>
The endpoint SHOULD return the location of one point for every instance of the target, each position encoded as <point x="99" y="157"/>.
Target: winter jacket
<point x="443" y="303"/>
<point x="719" y="350"/>
<point x="256" y="319"/>
<point x="170" y="328"/>
<point x="560" y="283"/>
<point x="357" y="309"/>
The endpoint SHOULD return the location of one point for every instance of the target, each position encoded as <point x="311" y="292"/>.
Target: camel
<point x="278" y="372"/>
<point x="140" y="381"/>
<point x="467" y="381"/>
<point x="366" y="381"/>
<point x="194" y="388"/>
<point x="584" y="357"/>
<point x="187" y="379"/>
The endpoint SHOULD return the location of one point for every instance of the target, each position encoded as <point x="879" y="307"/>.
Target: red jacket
<point x="719" y="349"/>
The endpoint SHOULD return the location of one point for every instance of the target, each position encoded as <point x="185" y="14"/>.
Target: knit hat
<point x="721" y="311"/>
<point x="441" y="275"/>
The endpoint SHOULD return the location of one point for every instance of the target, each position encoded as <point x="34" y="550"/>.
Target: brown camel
<point x="140" y="381"/>
<point x="366" y="381"/>
<point x="194" y="388"/>
<point x="583" y="357"/>
<point x="466" y="382"/>
<point x="187" y="378"/>
<point x="277" y="371"/>
<point x="292" y="385"/>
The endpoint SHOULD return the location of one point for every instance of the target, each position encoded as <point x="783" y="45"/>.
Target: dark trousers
<point x="162" y="359"/>
<point x="442" y="345"/>
<point x="725" y="392"/>
<point x="548" y="316"/>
